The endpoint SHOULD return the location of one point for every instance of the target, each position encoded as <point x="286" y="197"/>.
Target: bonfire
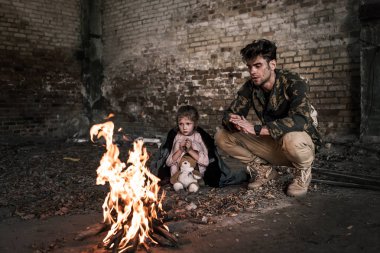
<point x="132" y="208"/>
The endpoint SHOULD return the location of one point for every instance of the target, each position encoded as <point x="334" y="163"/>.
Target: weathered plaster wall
<point x="40" y="79"/>
<point x="161" y="54"/>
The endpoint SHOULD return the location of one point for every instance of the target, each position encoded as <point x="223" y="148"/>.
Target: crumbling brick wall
<point x="161" y="54"/>
<point x="158" y="55"/>
<point x="39" y="75"/>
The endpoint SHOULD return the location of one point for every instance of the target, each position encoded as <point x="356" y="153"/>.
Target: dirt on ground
<point x="49" y="195"/>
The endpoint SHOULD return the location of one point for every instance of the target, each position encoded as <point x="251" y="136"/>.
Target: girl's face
<point x="186" y="126"/>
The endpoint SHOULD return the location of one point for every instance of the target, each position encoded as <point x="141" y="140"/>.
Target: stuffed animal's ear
<point x="174" y="178"/>
<point x="190" y="159"/>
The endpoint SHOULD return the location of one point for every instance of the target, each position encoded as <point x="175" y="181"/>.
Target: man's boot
<point x="264" y="173"/>
<point x="300" y="184"/>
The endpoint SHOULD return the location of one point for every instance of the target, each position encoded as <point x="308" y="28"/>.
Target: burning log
<point x="166" y="234"/>
<point x="130" y="249"/>
<point x="162" y="240"/>
<point x="158" y="233"/>
<point x="132" y="207"/>
<point x="146" y="247"/>
<point x="114" y="242"/>
<point x="159" y="228"/>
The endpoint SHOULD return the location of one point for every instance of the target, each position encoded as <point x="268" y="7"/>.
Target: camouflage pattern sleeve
<point x="298" y="117"/>
<point x="240" y="105"/>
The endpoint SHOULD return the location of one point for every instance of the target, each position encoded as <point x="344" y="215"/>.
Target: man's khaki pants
<point x="294" y="149"/>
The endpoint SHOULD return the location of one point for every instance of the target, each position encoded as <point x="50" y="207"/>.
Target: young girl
<point x="191" y="140"/>
<point x="188" y="141"/>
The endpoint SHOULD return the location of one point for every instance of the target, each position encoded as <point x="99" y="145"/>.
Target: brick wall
<point x="161" y="54"/>
<point x="39" y="75"/>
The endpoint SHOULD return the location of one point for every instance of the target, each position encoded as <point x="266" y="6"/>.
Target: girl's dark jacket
<point x="217" y="174"/>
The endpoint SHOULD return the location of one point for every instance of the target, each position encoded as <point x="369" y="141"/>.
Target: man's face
<point x="260" y="70"/>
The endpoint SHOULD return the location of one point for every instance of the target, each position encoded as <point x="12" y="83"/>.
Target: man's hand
<point x="242" y="124"/>
<point x="265" y="131"/>
<point x="234" y="118"/>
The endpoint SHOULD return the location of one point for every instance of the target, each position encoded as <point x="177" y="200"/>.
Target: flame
<point x="132" y="203"/>
<point x="111" y="115"/>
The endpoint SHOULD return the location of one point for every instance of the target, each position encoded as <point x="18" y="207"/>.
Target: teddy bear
<point x="187" y="177"/>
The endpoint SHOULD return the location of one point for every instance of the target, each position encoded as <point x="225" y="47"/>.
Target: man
<point x="286" y="135"/>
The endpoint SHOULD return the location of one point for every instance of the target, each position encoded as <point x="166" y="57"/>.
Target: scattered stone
<point x="191" y="206"/>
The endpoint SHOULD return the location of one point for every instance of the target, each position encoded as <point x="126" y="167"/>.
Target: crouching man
<point x="286" y="135"/>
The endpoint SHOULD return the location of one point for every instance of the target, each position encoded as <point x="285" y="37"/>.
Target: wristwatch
<point x="257" y="129"/>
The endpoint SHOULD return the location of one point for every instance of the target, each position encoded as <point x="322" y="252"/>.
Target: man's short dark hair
<point x="265" y="48"/>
